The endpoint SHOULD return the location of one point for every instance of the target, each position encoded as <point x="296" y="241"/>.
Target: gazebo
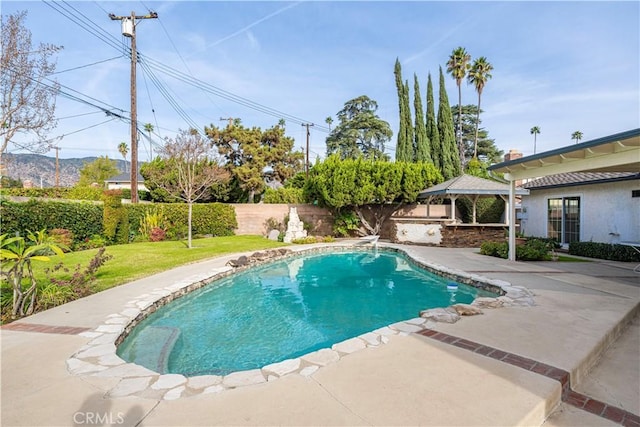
<point x="472" y="188"/>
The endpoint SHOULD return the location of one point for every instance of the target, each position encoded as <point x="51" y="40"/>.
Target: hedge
<point x="216" y="219"/>
<point x="83" y="219"/>
<point x="607" y="251"/>
<point x="73" y="193"/>
<point x="284" y="195"/>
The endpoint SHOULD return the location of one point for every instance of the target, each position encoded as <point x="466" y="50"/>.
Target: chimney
<point x="512" y="155"/>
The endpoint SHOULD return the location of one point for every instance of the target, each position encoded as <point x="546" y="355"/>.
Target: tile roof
<point x="468" y="184"/>
<point x="579" y="178"/>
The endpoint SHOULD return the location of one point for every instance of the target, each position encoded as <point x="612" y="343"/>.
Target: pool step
<point x="153" y="347"/>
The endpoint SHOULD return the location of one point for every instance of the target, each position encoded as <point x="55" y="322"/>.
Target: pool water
<point x="284" y="310"/>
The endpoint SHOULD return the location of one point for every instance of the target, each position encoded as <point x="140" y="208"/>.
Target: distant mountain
<point x="41" y="170"/>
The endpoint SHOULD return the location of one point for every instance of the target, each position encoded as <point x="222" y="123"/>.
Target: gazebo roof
<point x="469" y="185"/>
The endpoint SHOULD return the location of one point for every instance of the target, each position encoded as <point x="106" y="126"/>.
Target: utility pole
<point x="306" y="163"/>
<point x="129" y="30"/>
<point x="57" y="167"/>
<point x="229" y="119"/>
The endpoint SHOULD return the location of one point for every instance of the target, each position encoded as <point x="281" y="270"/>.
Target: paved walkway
<point x="584" y="323"/>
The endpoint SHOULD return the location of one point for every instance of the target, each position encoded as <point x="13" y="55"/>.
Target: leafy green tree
<point x="360" y="131"/>
<point x="186" y="169"/>
<point x="535" y="131"/>
<point x="98" y="171"/>
<point x="457" y="66"/>
<point x="364" y="186"/>
<point x="486" y="148"/>
<point x="16" y="255"/>
<point x="410" y="152"/>
<point x="252" y="155"/>
<point x="404" y="144"/>
<point x="432" y="127"/>
<point x="577" y="135"/>
<point x="479" y="74"/>
<point x="422" y="146"/>
<point x="450" y="160"/>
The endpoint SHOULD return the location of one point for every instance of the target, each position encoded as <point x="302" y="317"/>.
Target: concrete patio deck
<point x="584" y="322"/>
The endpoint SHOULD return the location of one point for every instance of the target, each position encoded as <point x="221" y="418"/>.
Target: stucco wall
<point x="604" y="208"/>
<point x="252" y="217"/>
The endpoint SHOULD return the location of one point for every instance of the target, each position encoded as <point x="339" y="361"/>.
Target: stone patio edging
<point x="98" y="357"/>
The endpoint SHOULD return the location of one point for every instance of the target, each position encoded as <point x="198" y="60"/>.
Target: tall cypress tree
<point x="450" y="162"/>
<point x="421" y="139"/>
<point x="401" y="146"/>
<point x="432" y="127"/>
<point x="409" y="153"/>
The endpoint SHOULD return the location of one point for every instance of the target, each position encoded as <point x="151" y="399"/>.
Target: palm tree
<point x="123" y="148"/>
<point x="577" y="135"/>
<point x="328" y="121"/>
<point x="457" y="66"/>
<point x="535" y="131"/>
<point x="148" y="127"/>
<point x="478" y="75"/>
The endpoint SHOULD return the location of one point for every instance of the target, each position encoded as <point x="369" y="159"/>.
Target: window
<point x="563" y="219"/>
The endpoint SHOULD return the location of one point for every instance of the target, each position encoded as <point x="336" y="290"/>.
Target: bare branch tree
<point x="186" y="169"/>
<point x="28" y="101"/>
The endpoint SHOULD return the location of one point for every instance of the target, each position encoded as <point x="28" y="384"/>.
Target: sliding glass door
<point x="563" y="219"/>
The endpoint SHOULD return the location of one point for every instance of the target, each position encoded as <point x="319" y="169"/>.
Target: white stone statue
<point x="295" y="227"/>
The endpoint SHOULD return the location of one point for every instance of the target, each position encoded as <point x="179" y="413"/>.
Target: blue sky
<point x="563" y="66"/>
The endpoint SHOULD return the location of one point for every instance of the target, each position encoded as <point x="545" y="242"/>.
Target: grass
<point x="138" y="260"/>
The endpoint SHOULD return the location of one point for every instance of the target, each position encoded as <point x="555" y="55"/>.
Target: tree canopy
<point x="253" y="156"/>
<point x="486" y="148"/>
<point x="360" y="184"/>
<point x="186" y="168"/>
<point x="28" y="102"/>
<point x="450" y="159"/>
<point x="360" y="131"/>
<point x="98" y="171"/>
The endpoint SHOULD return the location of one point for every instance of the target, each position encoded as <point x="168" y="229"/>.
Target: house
<point x="123" y="181"/>
<point x="583" y="206"/>
<point x="568" y="210"/>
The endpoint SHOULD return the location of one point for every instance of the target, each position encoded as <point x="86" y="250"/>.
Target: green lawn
<point x="137" y="260"/>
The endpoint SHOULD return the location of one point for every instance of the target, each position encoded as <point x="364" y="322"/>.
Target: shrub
<point x="346" y="223"/>
<point x="305" y="240"/>
<point x="488" y="210"/>
<point x="157" y="234"/>
<point x="96" y="241"/>
<point x="62" y="237"/>
<point x="115" y="218"/>
<point x="52" y="295"/>
<point x="82" y="219"/>
<point x="284" y="195"/>
<point x="532" y="250"/>
<point x="215" y="219"/>
<point x="80" y="281"/>
<point x="85" y="193"/>
<point x="153" y="220"/>
<point x="607" y="251"/>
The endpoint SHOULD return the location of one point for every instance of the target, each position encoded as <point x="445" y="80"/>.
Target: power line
<point x="87" y="65"/>
<point x="98" y="32"/>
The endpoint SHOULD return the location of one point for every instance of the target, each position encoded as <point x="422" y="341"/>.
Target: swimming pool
<point x="286" y="309"/>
